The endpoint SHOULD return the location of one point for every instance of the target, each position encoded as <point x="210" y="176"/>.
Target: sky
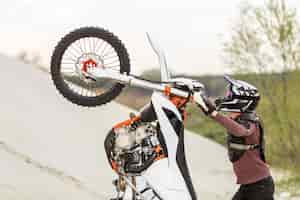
<point x="191" y="31"/>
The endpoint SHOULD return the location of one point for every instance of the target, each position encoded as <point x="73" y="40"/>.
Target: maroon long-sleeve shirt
<point x="249" y="168"/>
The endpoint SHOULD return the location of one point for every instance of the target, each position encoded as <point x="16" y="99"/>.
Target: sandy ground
<point x="51" y="149"/>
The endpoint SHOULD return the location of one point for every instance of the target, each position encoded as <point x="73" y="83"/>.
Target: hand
<point x="204" y="103"/>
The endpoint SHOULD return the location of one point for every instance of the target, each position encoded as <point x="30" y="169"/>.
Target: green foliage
<point x="290" y="184"/>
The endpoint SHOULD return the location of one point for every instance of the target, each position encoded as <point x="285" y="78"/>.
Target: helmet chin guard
<point x="240" y="97"/>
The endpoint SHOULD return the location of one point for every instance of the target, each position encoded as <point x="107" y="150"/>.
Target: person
<point x="245" y="138"/>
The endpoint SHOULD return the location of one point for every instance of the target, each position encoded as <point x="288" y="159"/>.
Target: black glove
<point x="204" y="103"/>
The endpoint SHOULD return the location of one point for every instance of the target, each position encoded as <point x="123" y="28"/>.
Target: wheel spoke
<point x="71" y="54"/>
<point x="91" y="45"/>
<point x="78" y="44"/>
<point x="95" y="42"/>
<point x="112" y="63"/>
<point x="67" y="70"/>
<point x="98" y="47"/>
<point x="75" y="50"/>
<point x="69" y="59"/>
<point x="67" y="63"/>
<point x="85" y="45"/>
<point x="104" y="49"/>
<point x="111" y="67"/>
<point x="110" y="57"/>
<point x="81" y="46"/>
<point x="107" y="51"/>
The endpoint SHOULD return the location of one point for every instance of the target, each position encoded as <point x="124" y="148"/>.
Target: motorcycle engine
<point x="135" y="149"/>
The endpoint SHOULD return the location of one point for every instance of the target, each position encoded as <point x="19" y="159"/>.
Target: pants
<point x="261" y="190"/>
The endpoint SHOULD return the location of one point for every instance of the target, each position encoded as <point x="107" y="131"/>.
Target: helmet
<point x="240" y="97"/>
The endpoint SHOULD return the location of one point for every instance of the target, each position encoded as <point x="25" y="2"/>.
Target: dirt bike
<point x="89" y="67"/>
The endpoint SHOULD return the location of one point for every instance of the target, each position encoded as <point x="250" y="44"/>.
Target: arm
<point x="232" y="126"/>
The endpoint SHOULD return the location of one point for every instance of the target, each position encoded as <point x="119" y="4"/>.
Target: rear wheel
<point x="85" y="48"/>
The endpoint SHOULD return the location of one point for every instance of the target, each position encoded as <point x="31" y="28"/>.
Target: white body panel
<point x="164" y="175"/>
<point x="167" y="182"/>
<point x="159" y="102"/>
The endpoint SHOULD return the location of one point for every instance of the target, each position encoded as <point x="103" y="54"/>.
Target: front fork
<point x="100" y="73"/>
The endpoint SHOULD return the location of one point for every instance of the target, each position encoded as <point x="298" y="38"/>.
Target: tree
<point x="266" y="43"/>
<point x="266" y="39"/>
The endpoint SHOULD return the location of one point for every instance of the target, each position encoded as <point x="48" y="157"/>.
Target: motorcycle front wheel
<point x="85" y="48"/>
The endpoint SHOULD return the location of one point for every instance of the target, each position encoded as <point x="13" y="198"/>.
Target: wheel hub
<point x="88" y="61"/>
<point x="88" y="64"/>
